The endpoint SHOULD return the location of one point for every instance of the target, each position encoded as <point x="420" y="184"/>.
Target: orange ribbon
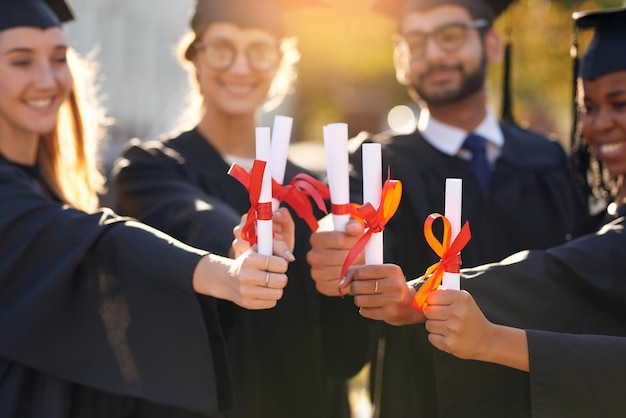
<point x="296" y="195"/>
<point x="258" y="210"/>
<point x="373" y="220"/>
<point x="448" y="252"/>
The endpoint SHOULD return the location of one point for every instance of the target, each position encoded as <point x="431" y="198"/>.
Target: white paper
<point x="337" y="169"/>
<point x="264" y="228"/>
<point x="454" y="194"/>
<point x="279" y="149"/>
<point x="372" y="189"/>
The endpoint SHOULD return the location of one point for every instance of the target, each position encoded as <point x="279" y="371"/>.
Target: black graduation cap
<point x="266" y="14"/>
<point x="479" y="9"/>
<point x="605" y="53"/>
<point x="36" y="13"/>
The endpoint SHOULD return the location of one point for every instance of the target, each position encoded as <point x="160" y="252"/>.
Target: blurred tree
<point x="346" y="72"/>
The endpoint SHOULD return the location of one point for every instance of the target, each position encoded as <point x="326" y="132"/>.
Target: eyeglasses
<point x="221" y="54"/>
<point x="448" y="37"/>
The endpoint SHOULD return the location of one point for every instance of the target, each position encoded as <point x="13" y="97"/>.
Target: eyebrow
<point x="26" y="49"/>
<point x="616" y="93"/>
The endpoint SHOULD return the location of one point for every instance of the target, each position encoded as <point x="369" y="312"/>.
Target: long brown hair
<point x="67" y="157"/>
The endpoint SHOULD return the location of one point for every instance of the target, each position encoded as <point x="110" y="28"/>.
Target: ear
<point x="493" y="46"/>
<point x="402" y="67"/>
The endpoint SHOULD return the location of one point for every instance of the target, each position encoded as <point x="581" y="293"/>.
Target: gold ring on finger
<point x="267" y="278"/>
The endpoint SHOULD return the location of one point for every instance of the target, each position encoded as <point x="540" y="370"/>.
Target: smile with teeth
<point x="612" y="148"/>
<point x="40" y="103"/>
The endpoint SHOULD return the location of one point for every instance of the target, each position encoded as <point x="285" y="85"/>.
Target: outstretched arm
<point x="457" y="326"/>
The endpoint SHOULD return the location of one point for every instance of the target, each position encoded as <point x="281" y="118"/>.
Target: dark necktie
<point x="479" y="163"/>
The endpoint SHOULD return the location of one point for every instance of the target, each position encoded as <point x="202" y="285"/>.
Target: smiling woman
<point x="239" y="60"/>
<point x="95" y="307"/>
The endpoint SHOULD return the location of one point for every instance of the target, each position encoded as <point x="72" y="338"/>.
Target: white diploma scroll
<point x="454" y="194"/>
<point x="279" y="149"/>
<point x="337" y="169"/>
<point x="372" y="190"/>
<point x="264" y="228"/>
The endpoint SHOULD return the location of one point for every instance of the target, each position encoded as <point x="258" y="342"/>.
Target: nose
<point x="432" y="49"/>
<point x="240" y="64"/>
<point x="45" y="76"/>
<point x="604" y="120"/>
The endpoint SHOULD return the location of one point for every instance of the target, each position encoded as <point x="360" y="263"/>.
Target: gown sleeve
<point x="150" y="184"/>
<point x="571" y="300"/>
<point x="101" y="301"/>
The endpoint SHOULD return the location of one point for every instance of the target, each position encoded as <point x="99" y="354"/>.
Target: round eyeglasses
<point x="449" y="37"/>
<point x="221" y="54"/>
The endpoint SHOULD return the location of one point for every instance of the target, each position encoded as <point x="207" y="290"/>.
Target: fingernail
<point x="290" y="256"/>
<point x="343" y="280"/>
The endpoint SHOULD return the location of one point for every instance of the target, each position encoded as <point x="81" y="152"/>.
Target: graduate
<point x="240" y="60"/>
<point x="547" y="326"/>
<point x="99" y="314"/>
<point x="517" y="192"/>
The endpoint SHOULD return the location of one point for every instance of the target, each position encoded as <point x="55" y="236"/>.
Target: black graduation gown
<point x="98" y="317"/>
<point x="181" y="186"/>
<point x="571" y="299"/>
<point x="527" y="206"/>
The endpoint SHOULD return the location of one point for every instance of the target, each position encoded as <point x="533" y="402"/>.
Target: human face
<point x="439" y="75"/>
<point x="604" y="119"/>
<point x="34" y="80"/>
<point x="237" y="88"/>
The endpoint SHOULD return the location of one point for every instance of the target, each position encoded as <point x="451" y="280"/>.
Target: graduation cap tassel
<point x="575" y="69"/>
<point x="507" y="101"/>
<point x="579" y="152"/>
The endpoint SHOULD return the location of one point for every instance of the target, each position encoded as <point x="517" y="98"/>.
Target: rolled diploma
<point x="454" y="194"/>
<point x="264" y="229"/>
<point x="336" y="151"/>
<point x="372" y="189"/>
<point x="279" y="149"/>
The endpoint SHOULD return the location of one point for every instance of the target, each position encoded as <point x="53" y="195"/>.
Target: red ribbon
<point x="258" y="210"/>
<point x="448" y="252"/>
<point x="373" y="220"/>
<point x="296" y="195"/>
<point x="342" y="209"/>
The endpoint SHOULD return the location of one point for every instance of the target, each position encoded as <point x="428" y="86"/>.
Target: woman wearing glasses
<point x="239" y="60"/>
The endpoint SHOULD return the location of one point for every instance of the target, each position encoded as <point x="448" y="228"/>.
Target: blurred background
<point x="345" y="73"/>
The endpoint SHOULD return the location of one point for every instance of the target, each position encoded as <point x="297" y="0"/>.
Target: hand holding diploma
<point x="328" y="251"/>
<point x="457" y="326"/>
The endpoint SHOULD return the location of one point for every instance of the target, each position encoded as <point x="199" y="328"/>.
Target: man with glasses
<point x="516" y="187"/>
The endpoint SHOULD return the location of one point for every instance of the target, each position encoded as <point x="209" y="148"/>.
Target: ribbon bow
<point x="258" y="210"/>
<point x="296" y="194"/>
<point x="373" y="220"/>
<point x="448" y="252"/>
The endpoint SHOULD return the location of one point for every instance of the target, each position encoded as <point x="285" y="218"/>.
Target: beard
<point x="470" y="84"/>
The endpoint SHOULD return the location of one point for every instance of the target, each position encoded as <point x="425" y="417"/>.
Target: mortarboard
<point x="36" y="13"/>
<point x="265" y="14"/>
<point x="605" y="53"/>
<point x="479" y="9"/>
